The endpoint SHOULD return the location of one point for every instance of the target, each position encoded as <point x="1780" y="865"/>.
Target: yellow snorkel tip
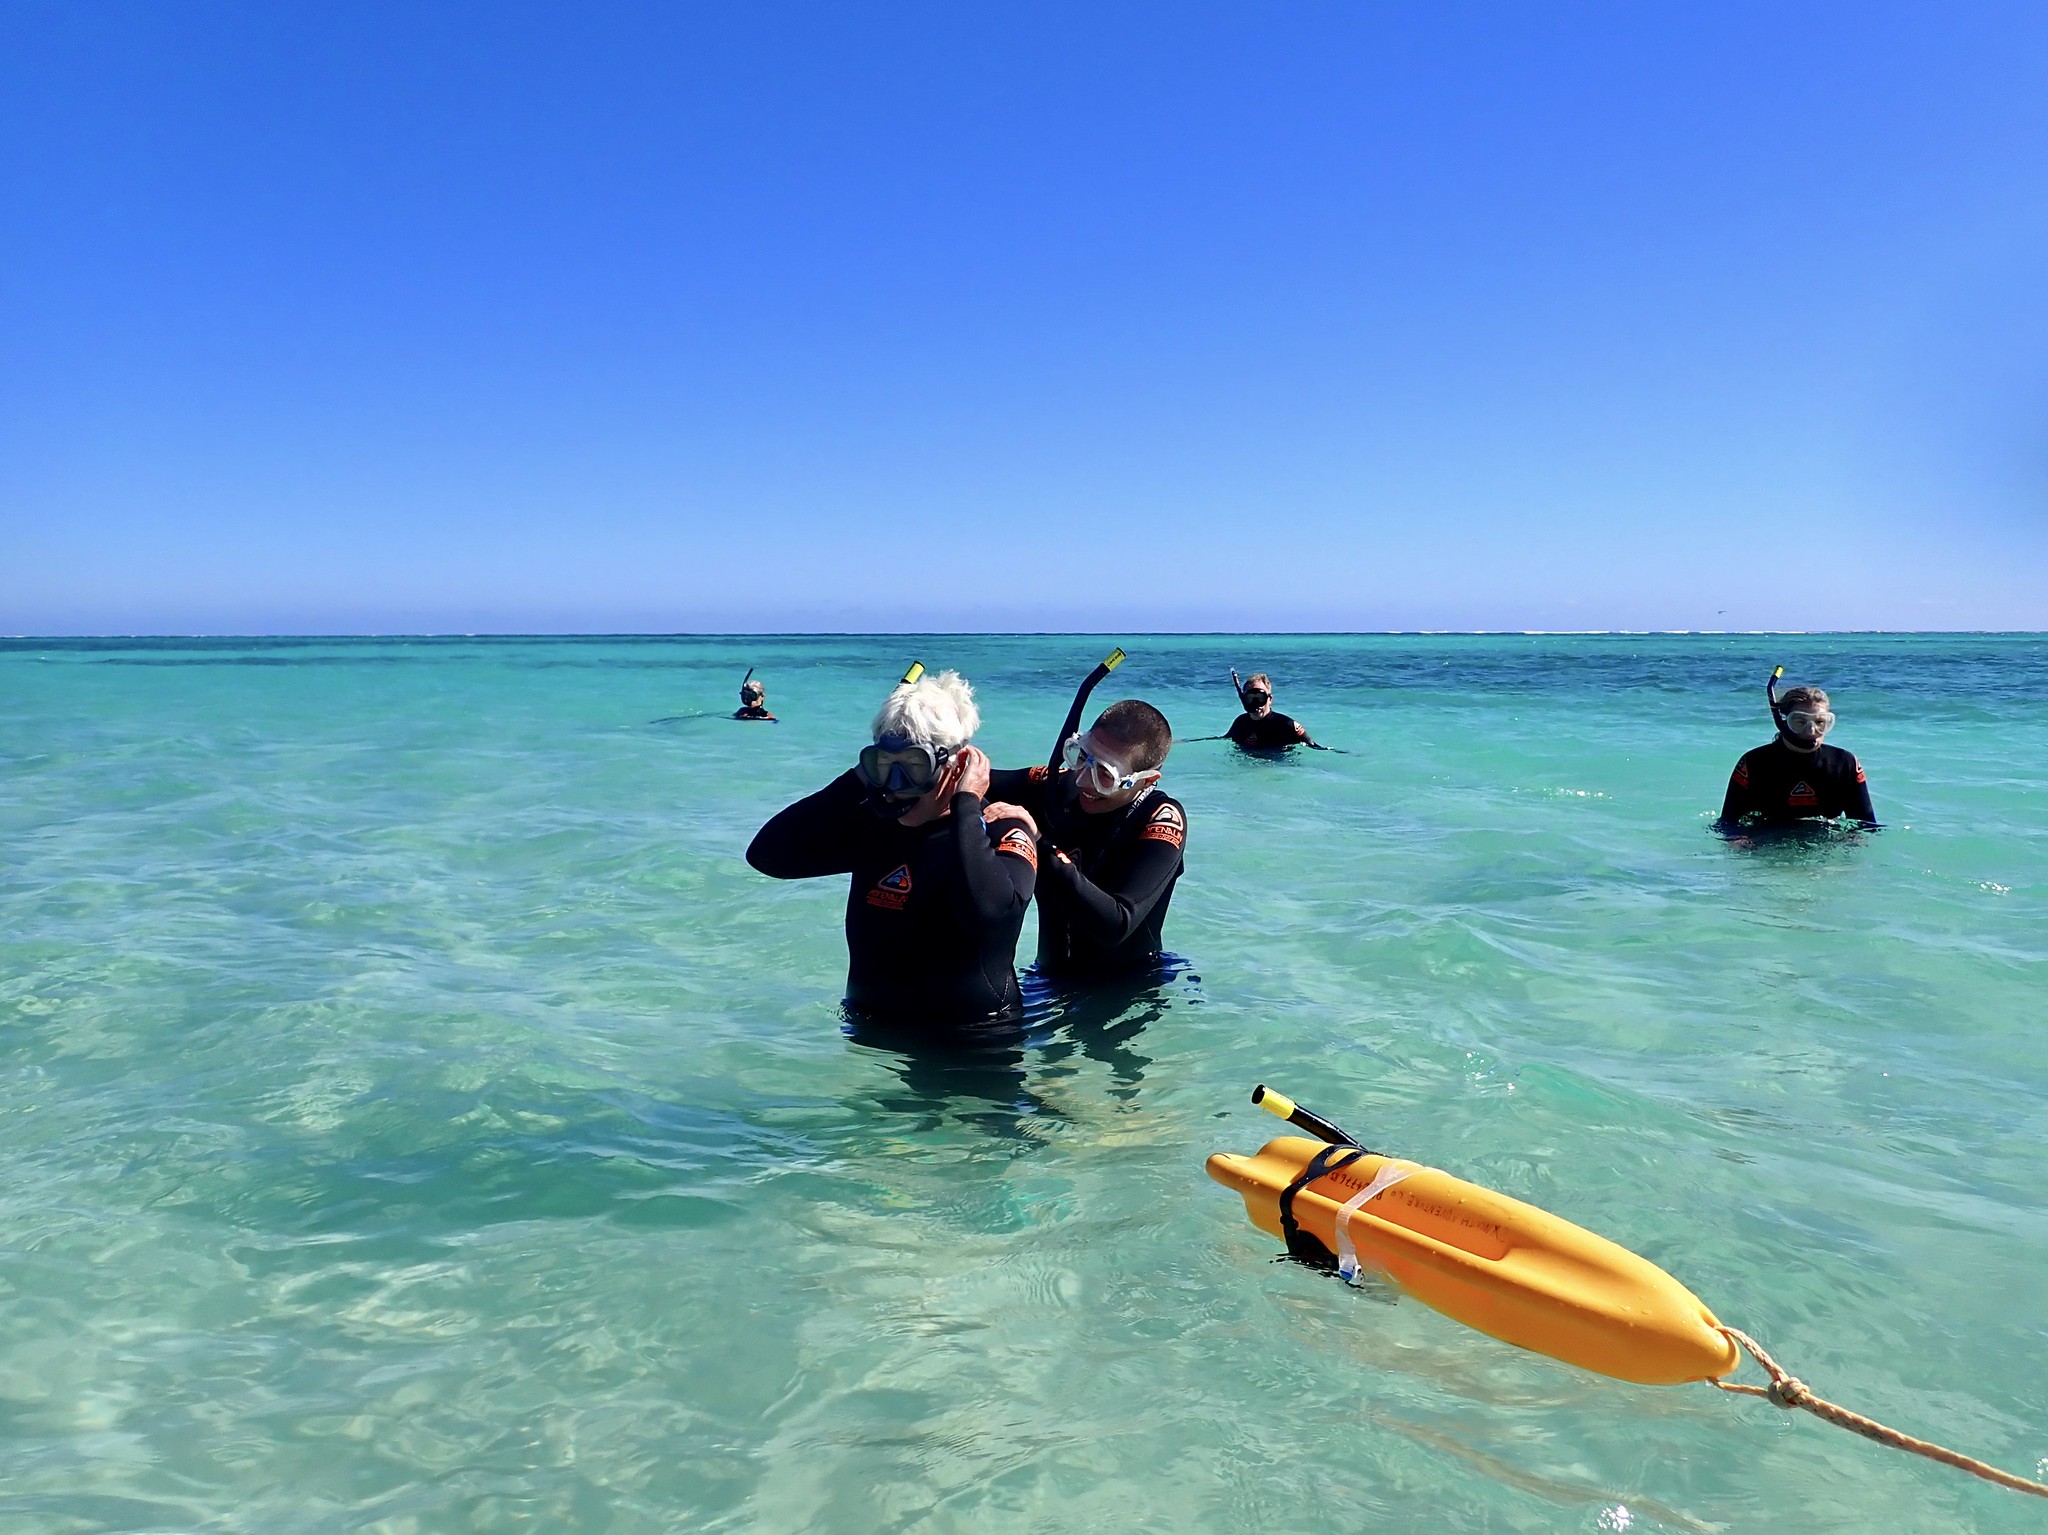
<point x="916" y="671"/>
<point x="1777" y="672"/>
<point x="1113" y="660"/>
<point x="1279" y="1105"/>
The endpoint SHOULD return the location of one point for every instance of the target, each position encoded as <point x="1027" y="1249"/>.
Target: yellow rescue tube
<point x="1513" y="1271"/>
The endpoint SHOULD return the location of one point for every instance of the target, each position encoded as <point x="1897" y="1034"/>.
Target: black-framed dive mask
<point x="898" y="773"/>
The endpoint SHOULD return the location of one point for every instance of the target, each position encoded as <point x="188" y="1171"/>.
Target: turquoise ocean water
<point x="416" y="1117"/>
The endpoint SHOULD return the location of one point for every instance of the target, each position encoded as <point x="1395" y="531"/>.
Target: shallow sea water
<point x="415" y="1117"/>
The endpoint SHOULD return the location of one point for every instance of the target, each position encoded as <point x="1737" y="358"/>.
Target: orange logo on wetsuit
<point x="1167" y="825"/>
<point x="1742" y="774"/>
<point x="1017" y="842"/>
<point x="892" y="890"/>
<point x="1802" y="794"/>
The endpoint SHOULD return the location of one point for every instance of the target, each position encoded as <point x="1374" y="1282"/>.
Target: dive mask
<point x="897" y="771"/>
<point x="1098" y="775"/>
<point x="1811" y="723"/>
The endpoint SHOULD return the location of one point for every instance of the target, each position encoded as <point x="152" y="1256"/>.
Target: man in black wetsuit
<point x="1795" y="777"/>
<point x="941" y="880"/>
<point x="753" y="702"/>
<point x="1261" y="728"/>
<point x="1110" y="849"/>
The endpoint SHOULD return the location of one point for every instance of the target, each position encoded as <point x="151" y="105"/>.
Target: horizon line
<point x="699" y="634"/>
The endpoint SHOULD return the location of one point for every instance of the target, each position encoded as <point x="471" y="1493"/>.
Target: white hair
<point x="936" y="711"/>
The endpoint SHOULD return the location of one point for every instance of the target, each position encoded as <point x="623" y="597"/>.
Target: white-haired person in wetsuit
<point x="940" y="879"/>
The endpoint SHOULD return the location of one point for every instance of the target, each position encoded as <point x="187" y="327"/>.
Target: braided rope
<point x="1787" y="1390"/>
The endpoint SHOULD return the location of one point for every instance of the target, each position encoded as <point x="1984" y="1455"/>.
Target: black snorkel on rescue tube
<point x="1072" y="727"/>
<point x="1281" y="1106"/>
<point x="1771" y="696"/>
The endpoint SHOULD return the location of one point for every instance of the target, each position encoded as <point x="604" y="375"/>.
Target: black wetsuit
<point x="1270" y="732"/>
<point x="1774" y="785"/>
<point x="754" y="712"/>
<point x="932" y="912"/>
<point x="1102" y="896"/>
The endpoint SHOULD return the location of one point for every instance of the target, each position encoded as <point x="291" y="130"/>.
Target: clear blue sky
<point x="444" y="317"/>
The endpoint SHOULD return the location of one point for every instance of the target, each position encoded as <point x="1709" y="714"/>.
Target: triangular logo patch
<point x="892" y="890"/>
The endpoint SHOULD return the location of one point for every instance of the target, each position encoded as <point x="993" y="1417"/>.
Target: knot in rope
<point x="1788" y="1391"/>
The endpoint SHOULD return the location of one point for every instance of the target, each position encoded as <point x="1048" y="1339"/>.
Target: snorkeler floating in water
<point x="1795" y="777"/>
<point x="941" y="880"/>
<point x="753" y="700"/>
<point x="1262" y="728"/>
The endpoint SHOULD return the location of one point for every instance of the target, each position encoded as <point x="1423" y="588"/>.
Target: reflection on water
<point x="1800" y="842"/>
<point x="985" y="1072"/>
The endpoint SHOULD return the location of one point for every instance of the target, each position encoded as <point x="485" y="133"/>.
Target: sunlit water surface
<point x="416" y="1116"/>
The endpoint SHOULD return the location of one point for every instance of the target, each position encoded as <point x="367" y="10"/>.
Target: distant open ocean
<point x="415" y="1116"/>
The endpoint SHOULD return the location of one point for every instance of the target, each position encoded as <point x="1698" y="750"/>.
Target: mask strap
<point x="1304" y="1244"/>
<point x="1390" y="1173"/>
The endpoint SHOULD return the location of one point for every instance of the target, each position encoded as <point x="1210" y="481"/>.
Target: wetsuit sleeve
<point x="1859" y="791"/>
<point x="1019" y="786"/>
<point x="998" y="864"/>
<point x="817" y="835"/>
<point x="1109" y="916"/>
<point x="1240" y="729"/>
<point x="1738" y="801"/>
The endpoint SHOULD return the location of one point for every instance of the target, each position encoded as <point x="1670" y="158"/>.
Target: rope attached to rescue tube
<point x="1788" y="1391"/>
<point x="1256" y="1181"/>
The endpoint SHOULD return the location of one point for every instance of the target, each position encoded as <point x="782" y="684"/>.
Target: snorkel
<point x="1065" y="790"/>
<point x="1072" y="727"/>
<point x="1283" y="1107"/>
<point x="1771" y="696"/>
<point x="1240" y="691"/>
<point x="751" y="692"/>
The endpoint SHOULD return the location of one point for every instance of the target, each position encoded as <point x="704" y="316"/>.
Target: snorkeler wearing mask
<point x="1110" y="852"/>
<point x="753" y="700"/>
<point x="1796" y="777"/>
<point x="941" y="879"/>
<point x="1261" y="728"/>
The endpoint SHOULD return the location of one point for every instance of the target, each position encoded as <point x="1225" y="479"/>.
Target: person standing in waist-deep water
<point x="1110" y="846"/>
<point x="1262" y="728"/>
<point x="1796" y="777"/>
<point x="753" y="702"/>
<point x="941" y="879"/>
